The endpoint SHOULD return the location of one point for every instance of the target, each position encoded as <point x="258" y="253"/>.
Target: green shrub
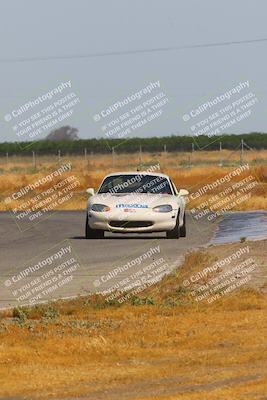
<point x="50" y="313"/>
<point x="140" y="301"/>
<point x="20" y="315"/>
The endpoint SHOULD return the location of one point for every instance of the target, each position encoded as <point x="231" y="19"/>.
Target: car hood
<point x="134" y="200"/>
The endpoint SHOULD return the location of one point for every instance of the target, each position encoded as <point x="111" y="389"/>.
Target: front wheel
<point x="183" y="228"/>
<point x="175" y="232"/>
<point x="92" y="233"/>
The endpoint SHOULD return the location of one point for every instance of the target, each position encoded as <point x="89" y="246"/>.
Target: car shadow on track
<point x="126" y="237"/>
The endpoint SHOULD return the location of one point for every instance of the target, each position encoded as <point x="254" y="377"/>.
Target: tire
<point x="183" y="228"/>
<point x="175" y="232"/>
<point x="92" y="233"/>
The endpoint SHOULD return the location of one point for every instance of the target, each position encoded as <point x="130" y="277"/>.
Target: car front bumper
<point x="127" y="222"/>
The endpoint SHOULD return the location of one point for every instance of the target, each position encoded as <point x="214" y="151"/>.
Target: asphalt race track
<point x="96" y="257"/>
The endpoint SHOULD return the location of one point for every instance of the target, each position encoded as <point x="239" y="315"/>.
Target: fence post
<point x="140" y="156"/>
<point x="113" y="157"/>
<point x="221" y="161"/>
<point x="34" y="160"/>
<point x="242" y="152"/>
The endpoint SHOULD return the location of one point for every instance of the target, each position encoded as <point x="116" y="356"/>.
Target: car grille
<point x="130" y="224"/>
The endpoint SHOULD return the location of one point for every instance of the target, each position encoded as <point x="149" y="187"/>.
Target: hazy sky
<point x="189" y="77"/>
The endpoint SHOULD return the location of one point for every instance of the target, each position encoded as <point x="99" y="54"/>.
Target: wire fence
<point x="243" y="153"/>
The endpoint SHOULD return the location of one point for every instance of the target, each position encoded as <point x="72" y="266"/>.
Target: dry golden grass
<point x="205" y="168"/>
<point x="166" y="350"/>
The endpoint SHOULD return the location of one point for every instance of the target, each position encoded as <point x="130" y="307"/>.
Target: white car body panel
<point x="127" y="211"/>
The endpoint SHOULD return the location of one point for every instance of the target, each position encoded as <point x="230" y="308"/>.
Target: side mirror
<point x="183" y="192"/>
<point x="90" y="191"/>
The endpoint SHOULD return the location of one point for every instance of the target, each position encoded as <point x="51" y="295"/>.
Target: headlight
<point x="99" y="207"/>
<point x="163" y="208"/>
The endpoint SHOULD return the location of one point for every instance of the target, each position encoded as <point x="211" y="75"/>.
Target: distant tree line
<point x="172" y="143"/>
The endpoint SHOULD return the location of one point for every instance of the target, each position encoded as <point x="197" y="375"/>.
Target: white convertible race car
<point x="136" y="202"/>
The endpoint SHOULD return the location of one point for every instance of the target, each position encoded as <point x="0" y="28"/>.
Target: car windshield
<point x="117" y="184"/>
